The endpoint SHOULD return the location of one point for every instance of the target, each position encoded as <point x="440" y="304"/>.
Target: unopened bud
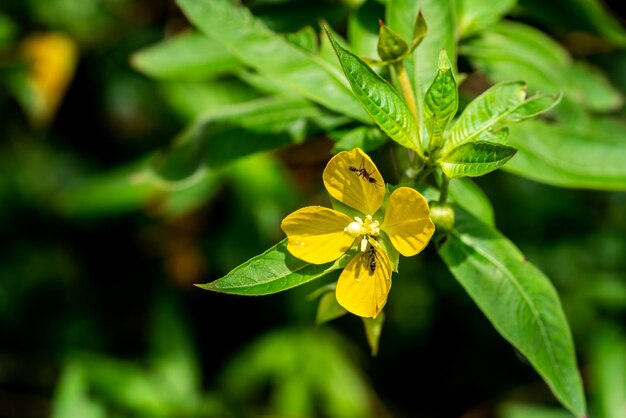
<point x="442" y="215"/>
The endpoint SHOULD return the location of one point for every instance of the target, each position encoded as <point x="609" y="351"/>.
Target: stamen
<point x="363" y="244"/>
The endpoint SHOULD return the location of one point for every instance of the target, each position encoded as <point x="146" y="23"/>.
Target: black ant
<point x="363" y="173"/>
<point x="371" y="259"/>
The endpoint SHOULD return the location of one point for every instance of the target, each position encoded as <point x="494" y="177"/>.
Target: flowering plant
<point x="411" y="94"/>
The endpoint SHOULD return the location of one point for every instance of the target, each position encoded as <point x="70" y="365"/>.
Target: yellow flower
<point x="320" y="235"/>
<point x="52" y="57"/>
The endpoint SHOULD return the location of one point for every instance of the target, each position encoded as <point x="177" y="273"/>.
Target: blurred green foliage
<point x="171" y="159"/>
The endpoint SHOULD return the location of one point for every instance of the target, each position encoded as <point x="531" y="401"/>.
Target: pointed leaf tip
<point x="444" y="62"/>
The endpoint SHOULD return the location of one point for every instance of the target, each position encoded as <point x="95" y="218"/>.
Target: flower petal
<point x="315" y="234"/>
<point x="364" y="284"/>
<point x="406" y="221"/>
<point x="352" y="178"/>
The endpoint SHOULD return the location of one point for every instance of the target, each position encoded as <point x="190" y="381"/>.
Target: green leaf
<point x="475" y="15"/>
<point x="192" y="99"/>
<point x="511" y="50"/>
<point x="565" y="156"/>
<point x="442" y="97"/>
<point x="381" y="101"/>
<point x="520" y="302"/>
<point x="465" y="193"/>
<point x="219" y="137"/>
<point x="373" y="330"/>
<point x="422" y="65"/>
<point x="190" y="56"/>
<point x="441" y="101"/>
<point x="71" y="396"/>
<point x="365" y="137"/>
<point x="328" y="309"/>
<point x="501" y="105"/>
<point x="305" y="39"/>
<point x="8" y="29"/>
<point x="419" y="31"/>
<point x="403" y="17"/>
<point x="391" y="46"/>
<point x="363" y="29"/>
<point x="586" y="15"/>
<point x="127" y="386"/>
<point x="173" y="357"/>
<point x="474" y="159"/>
<point x="273" y="271"/>
<point x="609" y="371"/>
<point x="520" y="410"/>
<point x="269" y="53"/>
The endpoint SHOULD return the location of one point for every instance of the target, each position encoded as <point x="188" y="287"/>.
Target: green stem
<point x="405" y="86"/>
<point x="424" y="174"/>
<point x="443" y="189"/>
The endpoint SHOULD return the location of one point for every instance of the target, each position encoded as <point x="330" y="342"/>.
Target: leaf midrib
<point x="524" y="295"/>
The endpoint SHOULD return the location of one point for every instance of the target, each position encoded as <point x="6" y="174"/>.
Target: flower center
<point x="365" y="229"/>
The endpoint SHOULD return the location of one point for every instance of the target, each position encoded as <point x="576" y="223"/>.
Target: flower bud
<point x="442" y="215"/>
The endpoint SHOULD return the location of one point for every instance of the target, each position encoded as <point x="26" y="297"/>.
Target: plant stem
<point x="424" y="174"/>
<point x="443" y="189"/>
<point x="405" y="85"/>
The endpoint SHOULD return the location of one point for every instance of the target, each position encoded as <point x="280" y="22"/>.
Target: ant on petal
<point x="363" y="173"/>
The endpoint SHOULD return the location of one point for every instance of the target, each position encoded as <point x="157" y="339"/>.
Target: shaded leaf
<point x="566" y="156"/>
<point x="465" y="193"/>
<point x="519" y="300"/>
<point x="328" y="308"/>
<point x="230" y="132"/>
<point x="365" y="137"/>
<point x="188" y="56"/>
<point x="71" y="396"/>
<point x="248" y="39"/>
<point x="511" y="50"/>
<point x="587" y="15"/>
<point x="609" y="371"/>
<point x="373" y="330"/>
<point x="475" y="15"/>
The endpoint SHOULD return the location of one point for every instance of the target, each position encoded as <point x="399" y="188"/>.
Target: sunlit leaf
<point x="501" y="105"/>
<point x="273" y="271"/>
<point x="441" y="101"/>
<point x="520" y="302"/>
<point x="442" y="97"/>
<point x="248" y="39"/>
<point x="474" y="159"/>
<point x="422" y="64"/>
<point x="381" y="101"/>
